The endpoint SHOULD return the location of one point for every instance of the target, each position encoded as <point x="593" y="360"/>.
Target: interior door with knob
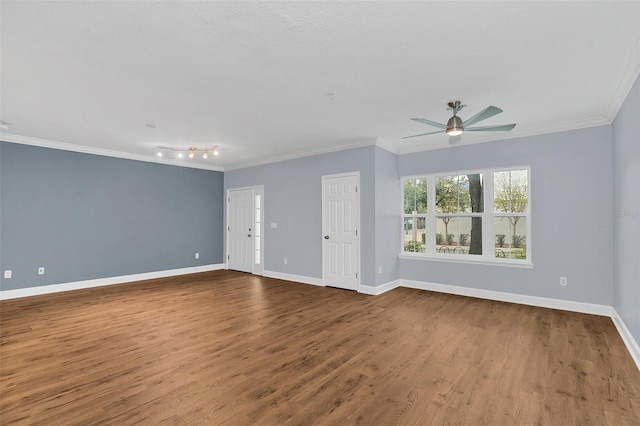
<point x="240" y="226"/>
<point x="341" y="222"/>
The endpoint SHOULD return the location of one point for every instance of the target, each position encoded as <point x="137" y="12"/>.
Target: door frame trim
<point x="257" y="189"/>
<point x="359" y="227"/>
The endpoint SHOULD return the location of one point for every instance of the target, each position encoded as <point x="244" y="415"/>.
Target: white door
<point x="341" y="222"/>
<point x="240" y="230"/>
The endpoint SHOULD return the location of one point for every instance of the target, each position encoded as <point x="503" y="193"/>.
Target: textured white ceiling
<point x="254" y="77"/>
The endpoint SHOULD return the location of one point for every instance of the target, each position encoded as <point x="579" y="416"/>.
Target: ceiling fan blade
<point x="455" y="139"/>
<point x="431" y="123"/>
<point x="422" y="134"/>
<point x="489" y="111"/>
<point x="498" y="128"/>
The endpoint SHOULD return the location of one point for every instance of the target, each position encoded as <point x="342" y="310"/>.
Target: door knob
<point x="326" y="237"/>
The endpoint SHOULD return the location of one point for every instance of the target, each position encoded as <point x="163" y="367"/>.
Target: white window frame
<point x="488" y="221"/>
<point x="412" y="215"/>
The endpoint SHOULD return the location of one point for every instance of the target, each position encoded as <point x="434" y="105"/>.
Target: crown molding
<point x="387" y="145"/>
<point x="397" y="149"/>
<point x="521" y="133"/>
<point x="627" y="78"/>
<point x="357" y="143"/>
<point x="44" y="143"/>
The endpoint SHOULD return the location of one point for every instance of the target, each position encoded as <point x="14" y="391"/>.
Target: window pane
<point x="459" y="194"/>
<point x="459" y="235"/>
<point x="257" y="250"/>
<point x="446" y="228"/>
<point x="447" y="194"/>
<point x="510" y="191"/>
<point x="472" y="194"/>
<point x="511" y="237"/>
<point x="415" y="196"/>
<point x="414" y="234"/>
<point x="470" y="234"/>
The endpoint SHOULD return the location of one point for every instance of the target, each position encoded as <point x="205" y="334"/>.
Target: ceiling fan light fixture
<point x="454" y="126"/>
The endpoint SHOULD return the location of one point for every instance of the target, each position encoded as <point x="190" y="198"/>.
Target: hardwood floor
<point x="230" y="348"/>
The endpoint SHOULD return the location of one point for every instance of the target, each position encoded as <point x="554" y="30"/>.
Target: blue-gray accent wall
<point x="571" y="235"/>
<point x="626" y="211"/>
<point x="84" y="216"/>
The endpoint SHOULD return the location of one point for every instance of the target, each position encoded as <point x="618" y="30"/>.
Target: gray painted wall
<point x="293" y="200"/>
<point x="387" y="212"/>
<point x="84" y="216"/>
<point x="626" y="211"/>
<point x="571" y="181"/>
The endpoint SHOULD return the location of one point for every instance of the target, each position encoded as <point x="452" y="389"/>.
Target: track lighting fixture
<point x="190" y="152"/>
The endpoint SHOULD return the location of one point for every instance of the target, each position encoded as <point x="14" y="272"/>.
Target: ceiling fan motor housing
<point x="454" y="126"/>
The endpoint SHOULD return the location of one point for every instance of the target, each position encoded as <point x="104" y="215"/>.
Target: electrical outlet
<point x="7" y="273"/>
<point x="285" y="261"/>
<point x="41" y="270"/>
<point x="197" y="255"/>
<point x="563" y="281"/>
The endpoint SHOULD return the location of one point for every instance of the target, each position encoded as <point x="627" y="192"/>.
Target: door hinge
<point x="229" y="200"/>
<point x="356" y="232"/>
<point x="227" y="257"/>
<point x="356" y="275"/>
<point x="356" y="189"/>
<point x="229" y="228"/>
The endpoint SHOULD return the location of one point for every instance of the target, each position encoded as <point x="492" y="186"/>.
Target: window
<point x="458" y="214"/>
<point x="481" y="215"/>
<point x="415" y="214"/>
<point x="511" y="207"/>
<point x="258" y="229"/>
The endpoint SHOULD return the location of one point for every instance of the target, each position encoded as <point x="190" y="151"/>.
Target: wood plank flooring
<point x="230" y="348"/>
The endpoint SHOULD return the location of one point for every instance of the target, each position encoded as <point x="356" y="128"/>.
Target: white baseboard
<point x="543" y="302"/>
<point x="291" y="277"/>
<point x="627" y="337"/>
<point x="375" y="291"/>
<point x="77" y="285"/>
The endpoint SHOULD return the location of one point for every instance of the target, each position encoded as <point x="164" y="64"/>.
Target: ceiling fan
<point x="455" y="126"/>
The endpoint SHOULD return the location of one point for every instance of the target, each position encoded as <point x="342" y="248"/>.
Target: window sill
<point x="512" y="264"/>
